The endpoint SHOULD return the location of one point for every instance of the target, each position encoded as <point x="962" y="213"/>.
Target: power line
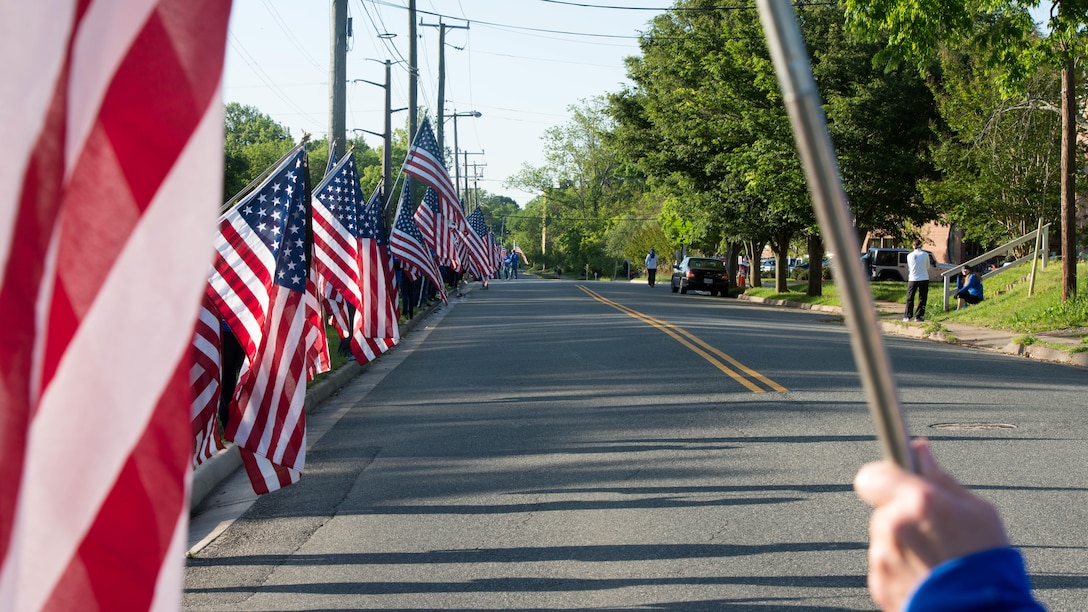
<point x="512" y="27"/>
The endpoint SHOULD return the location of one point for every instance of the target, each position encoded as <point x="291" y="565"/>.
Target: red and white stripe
<point x="109" y="183"/>
<point x="205" y="378"/>
<point x="377" y="321"/>
<point x="317" y="343"/>
<point x="269" y="426"/>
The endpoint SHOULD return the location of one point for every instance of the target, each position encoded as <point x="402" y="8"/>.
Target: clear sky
<point x="520" y="63"/>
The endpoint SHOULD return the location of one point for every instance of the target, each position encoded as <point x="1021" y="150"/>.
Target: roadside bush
<point x="801" y="274"/>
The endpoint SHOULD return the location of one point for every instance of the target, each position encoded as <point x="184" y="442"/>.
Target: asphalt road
<point x="553" y="445"/>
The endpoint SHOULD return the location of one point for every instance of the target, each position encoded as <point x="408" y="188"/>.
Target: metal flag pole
<point x="829" y="200"/>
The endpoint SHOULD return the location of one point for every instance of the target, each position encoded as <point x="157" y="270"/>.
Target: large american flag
<point x="478" y="240"/>
<point x="435" y="227"/>
<point x="424" y="162"/>
<point x="110" y="176"/>
<point x="379" y="326"/>
<point x="351" y="258"/>
<point x="259" y="286"/>
<point x="406" y="244"/>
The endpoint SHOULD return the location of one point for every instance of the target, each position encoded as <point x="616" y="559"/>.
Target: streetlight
<point x="456" y="169"/>
<point x="387" y="152"/>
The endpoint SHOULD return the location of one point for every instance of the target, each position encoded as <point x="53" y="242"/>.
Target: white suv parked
<point x="891" y="265"/>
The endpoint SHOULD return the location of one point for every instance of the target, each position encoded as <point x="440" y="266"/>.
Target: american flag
<point x="435" y="227"/>
<point x="406" y="243"/>
<point x="352" y="260"/>
<point x="110" y="176"/>
<point x="479" y="244"/>
<point x="378" y="321"/>
<point x="518" y="250"/>
<point x="424" y="162"/>
<point x="336" y="207"/>
<point x="259" y="285"/>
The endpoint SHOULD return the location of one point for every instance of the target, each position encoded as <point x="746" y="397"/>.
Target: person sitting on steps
<point x="968" y="288"/>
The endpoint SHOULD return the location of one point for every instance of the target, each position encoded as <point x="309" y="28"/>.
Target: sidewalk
<point x="890" y="315"/>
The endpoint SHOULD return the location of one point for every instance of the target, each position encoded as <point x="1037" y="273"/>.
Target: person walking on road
<point x="651" y="267"/>
<point x="917" y="282"/>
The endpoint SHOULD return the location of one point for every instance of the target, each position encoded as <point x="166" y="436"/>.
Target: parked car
<point x="700" y="274"/>
<point x="887" y="264"/>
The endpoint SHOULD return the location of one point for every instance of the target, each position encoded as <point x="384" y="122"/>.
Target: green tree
<point x="1010" y="44"/>
<point x="999" y="157"/>
<point x="253" y="143"/>
<point x="707" y="125"/>
<point x="586" y="185"/>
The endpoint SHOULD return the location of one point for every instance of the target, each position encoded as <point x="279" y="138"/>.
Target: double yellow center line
<point x="698" y="346"/>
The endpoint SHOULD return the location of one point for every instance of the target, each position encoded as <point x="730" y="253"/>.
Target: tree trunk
<point x="815" y="265"/>
<point x="755" y="257"/>
<point x="732" y="268"/>
<point x="1069" y="192"/>
<point x="782" y="253"/>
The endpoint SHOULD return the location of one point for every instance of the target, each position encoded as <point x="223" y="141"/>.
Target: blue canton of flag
<point x="342" y="196"/>
<point x="372" y="225"/>
<point x="476" y="222"/>
<point x="430" y="198"/>
<point x="277" y="215"/>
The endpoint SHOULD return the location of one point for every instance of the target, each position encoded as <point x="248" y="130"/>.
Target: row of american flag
<point x="273" y="297"/>
<point x="110" y="174"/>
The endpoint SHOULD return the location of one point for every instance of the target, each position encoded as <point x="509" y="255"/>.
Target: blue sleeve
<point x="975" y="286"/>
<point x="989" y="581"/>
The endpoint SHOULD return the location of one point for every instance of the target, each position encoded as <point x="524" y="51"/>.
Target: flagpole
<point x="829" y="201"/>
<point x="257" y="181"/>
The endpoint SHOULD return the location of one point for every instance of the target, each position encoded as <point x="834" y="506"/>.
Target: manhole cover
<point x="973" y="426"/>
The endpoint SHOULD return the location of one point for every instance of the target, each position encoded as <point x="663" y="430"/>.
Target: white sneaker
<point x="906" y="319"/>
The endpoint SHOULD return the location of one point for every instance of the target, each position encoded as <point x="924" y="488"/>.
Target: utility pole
<point x="442" y="27"/>
<point x="476" y="174"/>
<point x="338" y="77"/>
<point x="413" y="73"/>
<point x="467" y="153"/>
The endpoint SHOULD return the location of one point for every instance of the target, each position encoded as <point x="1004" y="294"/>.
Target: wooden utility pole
<point x="413" y="73"/>
<point x="338" y="78"/>
<point x="1069" y="174"/>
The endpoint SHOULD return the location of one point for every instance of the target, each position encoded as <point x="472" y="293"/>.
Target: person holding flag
<point x="934" y="545"/>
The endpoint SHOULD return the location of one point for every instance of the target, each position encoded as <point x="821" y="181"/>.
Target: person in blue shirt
<point x="968" y="288"/>
<point x="935" y="546"/>
<point x="512" y="263"/>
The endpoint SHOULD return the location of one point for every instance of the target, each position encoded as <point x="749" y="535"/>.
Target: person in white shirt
<point x="651" y="267"/>
<point x="917" y="282"/>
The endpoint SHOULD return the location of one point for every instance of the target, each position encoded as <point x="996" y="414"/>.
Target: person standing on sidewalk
<point x="917" y="282"/>
<point x="651" y="267"/>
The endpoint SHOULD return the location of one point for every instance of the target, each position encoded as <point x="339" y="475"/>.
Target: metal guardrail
<point x="1041" y="237"/>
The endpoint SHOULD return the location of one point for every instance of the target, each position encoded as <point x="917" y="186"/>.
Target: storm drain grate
<point x="973" y="426"/>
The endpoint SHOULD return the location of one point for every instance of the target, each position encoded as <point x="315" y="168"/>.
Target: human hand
<point x="918" y="522"/>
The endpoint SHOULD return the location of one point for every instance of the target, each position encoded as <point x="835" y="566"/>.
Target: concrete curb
<point x="1031" y="351"/>
<point x="208" y="475"/>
